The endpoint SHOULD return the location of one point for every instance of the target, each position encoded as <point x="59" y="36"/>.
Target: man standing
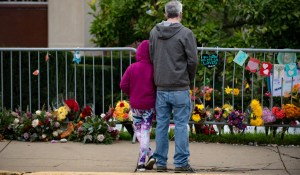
<point x="173" y="52"/>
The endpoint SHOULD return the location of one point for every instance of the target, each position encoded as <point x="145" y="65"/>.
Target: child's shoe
<point x="150" y="163"/>
<point x="141" y="168"/>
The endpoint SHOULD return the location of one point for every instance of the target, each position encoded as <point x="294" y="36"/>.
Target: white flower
<point x="38" y="112"/>
<point x="44" y="136"/>
<point x="60" y="131"/>
<point x="16" y="121"/>
<point x="100" y="137"/>
<point x="102" y="115"/>
<point x="55" y="133"/>
<point x="35" y="122"/>
<point x="14" y="114"/>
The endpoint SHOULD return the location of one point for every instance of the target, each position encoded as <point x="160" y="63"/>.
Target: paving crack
<point x="282" y="161"/>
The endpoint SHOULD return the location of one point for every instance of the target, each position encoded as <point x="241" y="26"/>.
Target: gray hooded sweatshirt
<point x="173" y="52"/>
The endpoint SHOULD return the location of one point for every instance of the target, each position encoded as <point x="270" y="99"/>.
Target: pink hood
<point x="142" y="52"/>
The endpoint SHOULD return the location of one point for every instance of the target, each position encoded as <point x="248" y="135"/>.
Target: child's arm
<point x="125" y="81"/>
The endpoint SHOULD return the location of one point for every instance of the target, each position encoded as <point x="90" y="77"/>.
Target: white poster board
<point x="276" y="84"/>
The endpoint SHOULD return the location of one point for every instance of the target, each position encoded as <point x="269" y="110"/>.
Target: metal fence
<point x="95" y="80"/>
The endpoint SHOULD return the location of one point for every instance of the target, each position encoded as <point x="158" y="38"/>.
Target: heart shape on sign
<point x="252" y="65"/>
<point x="292" y="66"/>
<point x="291" y="72"/>
<point x="266" y="72"/>
<point x="265" y="66"/>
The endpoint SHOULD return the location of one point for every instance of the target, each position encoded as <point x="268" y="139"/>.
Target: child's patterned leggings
<point x="142" y="122"/>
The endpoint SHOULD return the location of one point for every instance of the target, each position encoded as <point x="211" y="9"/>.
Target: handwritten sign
<point x="210" y="61"/>
<point x="240" y="58"/>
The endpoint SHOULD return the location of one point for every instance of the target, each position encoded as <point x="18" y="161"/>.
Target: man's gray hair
<point x="173" y="9"/>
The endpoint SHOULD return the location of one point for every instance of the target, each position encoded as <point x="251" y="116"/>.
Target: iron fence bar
<point x="2" y="86"/>
<point x="94" y="82"/>
<point x="292" y="89"/>
<point x="70" y="49"/>
<point x="66" y="76"/>
<point x="202" y="89"/>
<point x="56" y="65"/>
<point x="20" y="79"/>
<point x="250" y="50"/>
<point x="213" y="92"/>
<point x="111" y="78"/>
<point x="48" y="88"/>
<point x="102" y="82"/>
<point x="223" y="82"/>
<point x="262" y="85"/>
<point x="121" y="72"/>
<point x="39" y="91"/>
<point x="84" y="81"/>
<point x="243" y="81"/>
<point x="11" y="82"/>
<point x="233" y="75"/>
<point x="29" y="79"/>
<point x="75" y="81"/>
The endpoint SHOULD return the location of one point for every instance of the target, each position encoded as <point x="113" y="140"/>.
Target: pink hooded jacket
<point x="138" y="80"/>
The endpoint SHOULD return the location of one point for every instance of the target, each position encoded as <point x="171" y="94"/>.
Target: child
<point x="138" y="83"/>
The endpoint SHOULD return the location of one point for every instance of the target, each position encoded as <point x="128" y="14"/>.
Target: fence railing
<point x="35" y="77"/>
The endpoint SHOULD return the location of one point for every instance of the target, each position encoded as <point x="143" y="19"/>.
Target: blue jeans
<point x="179" y="103"/>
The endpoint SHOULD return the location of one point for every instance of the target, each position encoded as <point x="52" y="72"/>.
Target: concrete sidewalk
<point x="121" y="156"/>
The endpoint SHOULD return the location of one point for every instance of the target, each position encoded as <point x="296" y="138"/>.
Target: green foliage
<point x="95" y="131"/>
<point x="223" y="23"/>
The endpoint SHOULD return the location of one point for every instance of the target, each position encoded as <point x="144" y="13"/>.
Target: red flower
<point x="122" y="104"/>
<point x="87" y="111"/>
<point x="72" y="104"/>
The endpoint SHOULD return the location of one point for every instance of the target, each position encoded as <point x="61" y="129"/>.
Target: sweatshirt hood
<point x="142" y="52"/>
<point x="166" y="29"/>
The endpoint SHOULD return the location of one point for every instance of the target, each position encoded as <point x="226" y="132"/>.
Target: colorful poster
<point x="284" y="84"/>
<point x="278" y="70"/>
<point x="252" y="65"/>
<point x="265" y="69"/>
<point x="291" y="70"/>
<point x="210" y="61"/>
<point x="240" y="58"/>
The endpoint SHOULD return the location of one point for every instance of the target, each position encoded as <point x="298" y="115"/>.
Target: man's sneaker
<point x="150" y="163"/>
<point x="161" y="169"/>
<point x="141" y="167"/>
<point x="185" y="169"/>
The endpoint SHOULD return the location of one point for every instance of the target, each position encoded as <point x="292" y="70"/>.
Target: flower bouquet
<point x="268" y="116"/>
<point x="199" y="113"/>
<point x="292" y="113"/>
<point x="236" y="118"/>
<point x="122" y="111"/>
<point x="256" y="113"/>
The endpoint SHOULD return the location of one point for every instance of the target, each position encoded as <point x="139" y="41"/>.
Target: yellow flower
<point x="207" y="97"/>
<point x="247" y="86"/>
<point x="227" y="109"/>
<point x="228" y="90"/>
<point x="200" y="107"/>
<point x="61" y="113"/>
<point x="236" y="91"/>
<point x="121" y="111"/>
<point x="256" y="108"/>
<point x="196" y="117"/>
<point x="256" y="121"/>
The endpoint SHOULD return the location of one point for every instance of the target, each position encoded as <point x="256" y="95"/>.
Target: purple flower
<point x="26" y="136"/>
